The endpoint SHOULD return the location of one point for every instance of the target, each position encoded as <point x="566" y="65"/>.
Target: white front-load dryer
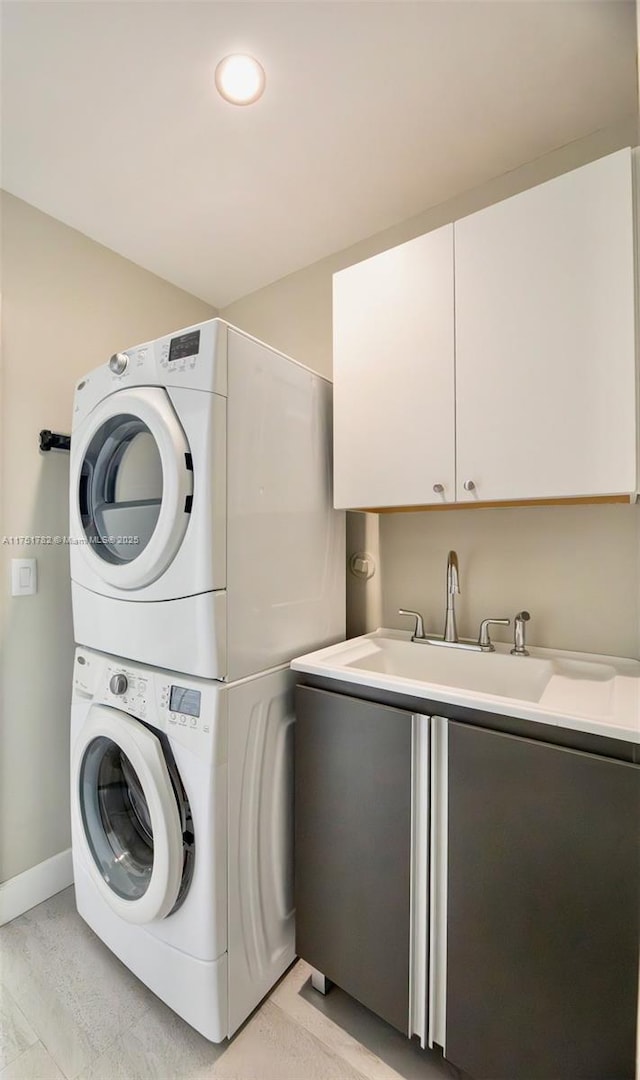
<point x="203" y="537"/>
<point x="148" y="503"/>
<point x="181" y="796"/>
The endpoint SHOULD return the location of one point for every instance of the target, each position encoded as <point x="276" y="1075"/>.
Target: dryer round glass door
<point x="131" y="486"/>
<point x="133" y="816"/>
<point x="121" y="489"/>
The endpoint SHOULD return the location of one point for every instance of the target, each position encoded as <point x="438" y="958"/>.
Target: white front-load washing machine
<point x="203" y="535"/>
<point x="181" y="813"/>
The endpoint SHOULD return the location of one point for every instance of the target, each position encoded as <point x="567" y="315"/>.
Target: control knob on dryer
<point x="118" y="684"/>
<point x="119" y="363"/>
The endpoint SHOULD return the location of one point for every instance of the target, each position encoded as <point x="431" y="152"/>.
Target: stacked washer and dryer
<point x="205" y="555"/>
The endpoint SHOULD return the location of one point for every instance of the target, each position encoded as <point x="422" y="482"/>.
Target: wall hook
<point x="53" y="440"/>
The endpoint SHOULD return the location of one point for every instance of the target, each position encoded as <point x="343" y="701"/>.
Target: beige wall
<point x="575" y="568"/>
<point x="68" y="303"/>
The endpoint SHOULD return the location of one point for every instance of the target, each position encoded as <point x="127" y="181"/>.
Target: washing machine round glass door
<point x="133" y="816"/>
<point x="131" y="485"/>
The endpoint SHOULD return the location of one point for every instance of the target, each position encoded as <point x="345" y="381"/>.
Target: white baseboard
<point x="24" y="891"/>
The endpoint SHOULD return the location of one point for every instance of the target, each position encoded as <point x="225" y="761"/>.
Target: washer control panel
<point x="183" y="705"/>
<point x="118" y="684"/>
<point x="128" y="689"/>
<point x="188" y="710"/>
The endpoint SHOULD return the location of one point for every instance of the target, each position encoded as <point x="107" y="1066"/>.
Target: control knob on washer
<point x="118" y="684"/>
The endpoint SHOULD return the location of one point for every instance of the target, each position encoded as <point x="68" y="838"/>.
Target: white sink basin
<point x="593" y="693"/>
<point x="522" y="678"/>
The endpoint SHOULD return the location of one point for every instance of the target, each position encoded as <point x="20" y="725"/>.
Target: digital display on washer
<point x="185" y="345"/>
<point x="185" y="701"/>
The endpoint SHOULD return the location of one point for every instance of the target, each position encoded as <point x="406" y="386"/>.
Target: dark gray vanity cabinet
<point x="543" y="909"/>
<point x="353" y="846"/>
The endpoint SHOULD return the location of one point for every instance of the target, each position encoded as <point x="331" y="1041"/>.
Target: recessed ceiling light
<point x="240" y="79"/>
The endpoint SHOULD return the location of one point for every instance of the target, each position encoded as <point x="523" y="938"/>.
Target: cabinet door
<point x="545" y="361"/>
<point x="393" y="372"/>
<point x="543" y="910"/>
<point x="353" y="847"/>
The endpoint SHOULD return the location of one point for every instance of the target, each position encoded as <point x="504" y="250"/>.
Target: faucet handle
<point x="484" y="641"/>
<point x="418" y="631"/>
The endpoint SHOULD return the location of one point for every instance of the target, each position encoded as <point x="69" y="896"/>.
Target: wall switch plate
<point x="24" y="577"/>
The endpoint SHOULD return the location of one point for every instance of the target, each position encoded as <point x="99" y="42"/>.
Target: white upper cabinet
<point x="525" y="387"/>
<point x="394" y="423"/>
<point x="545" y="340"/>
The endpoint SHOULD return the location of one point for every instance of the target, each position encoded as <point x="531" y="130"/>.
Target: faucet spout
<point x="453" y="587"/>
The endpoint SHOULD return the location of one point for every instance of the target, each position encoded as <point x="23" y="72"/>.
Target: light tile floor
<point x="69" y="1010"/>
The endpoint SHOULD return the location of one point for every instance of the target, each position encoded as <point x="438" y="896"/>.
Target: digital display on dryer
<point x="185" y="701"/>
<point x="185" y="345"/>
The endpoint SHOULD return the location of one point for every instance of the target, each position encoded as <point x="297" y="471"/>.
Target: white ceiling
<point x="373" y="111"/>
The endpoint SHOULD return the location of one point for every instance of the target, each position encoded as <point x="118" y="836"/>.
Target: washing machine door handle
<point x="131" y="487"/>
<point x="126" y="816"/>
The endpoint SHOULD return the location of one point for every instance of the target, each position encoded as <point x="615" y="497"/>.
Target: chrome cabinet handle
<point x="438" y="488"/>
<point x="419" y="624"/>
<point x="469" y="485"/>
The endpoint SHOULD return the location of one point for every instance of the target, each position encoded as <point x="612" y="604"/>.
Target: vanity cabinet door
<point x="543" y="910"/>
<point x="545" y="340"/>
<point x="393" y="376"/>
<point x="353" y="847"/>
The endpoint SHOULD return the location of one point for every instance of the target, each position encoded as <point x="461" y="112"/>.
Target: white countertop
<point x="581" y="691"/>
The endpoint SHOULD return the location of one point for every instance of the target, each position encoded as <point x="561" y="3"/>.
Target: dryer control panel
<point x="180" y="352"/>
<point x="194" y="358"/>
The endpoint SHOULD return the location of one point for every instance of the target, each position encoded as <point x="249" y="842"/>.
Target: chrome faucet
<point x="453" y="587"/>
<point x="450" y="637"/>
